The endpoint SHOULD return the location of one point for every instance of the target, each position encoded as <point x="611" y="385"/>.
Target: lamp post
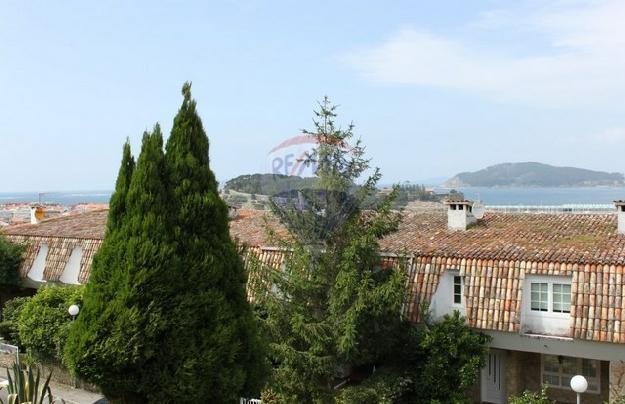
<point x="579" y="384"/>
<point x="73" y="311"/>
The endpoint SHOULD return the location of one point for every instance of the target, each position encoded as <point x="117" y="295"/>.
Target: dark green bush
<point x="10" y="261"/>
<point x="10" y="315"/>
<point x="44" y="322"/>
<point x="382" y="387"/>
<point x="453" y="355"/>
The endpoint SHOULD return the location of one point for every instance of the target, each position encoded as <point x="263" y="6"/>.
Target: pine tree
<point x="216" y="355"/>
<point x="337" y="310"/>
<point x="115" y="343"/>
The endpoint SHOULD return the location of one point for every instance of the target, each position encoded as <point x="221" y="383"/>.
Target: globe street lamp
<point x="579" y="384"/>
<point x="73" y="311"/>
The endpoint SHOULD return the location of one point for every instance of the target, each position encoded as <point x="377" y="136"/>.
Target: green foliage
<point x="165" y="312"/>
<point x="409" y="193"/>
<point x="529" y="397"/>
<point x="336" y="309"/>
<point x="10" y="261"/>
<point x="268" y="184"/>
<point x="44" y="322"/>
<point x="383" y="387"/>
<point x="213" y="331"/>
<point x="236" y="200"/>
<point x="117" y="205"/>
<point x="10" y="317"/>
<point x="452" y="356"/>
<point x="24" y="387"/>
<point x="115" y="342"/>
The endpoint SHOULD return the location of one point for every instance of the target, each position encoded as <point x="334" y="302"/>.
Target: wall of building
<point x="443" y="299"/>
<point x="524" y="373"/>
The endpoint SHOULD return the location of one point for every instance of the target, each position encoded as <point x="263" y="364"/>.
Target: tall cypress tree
<point x="117" y="205"/>
<point x="215" y="352"/>
<point x="115" y="342"/>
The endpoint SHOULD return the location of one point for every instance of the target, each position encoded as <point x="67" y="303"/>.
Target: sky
<point x="434" y="88"/>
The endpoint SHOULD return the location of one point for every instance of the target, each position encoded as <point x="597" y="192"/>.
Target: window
<point x="547" y="296"/>
<point x="557" y="371"/>
<point x="457" y="290"/>
<point x="561" y="298"/>
<point x="540" y="296"/>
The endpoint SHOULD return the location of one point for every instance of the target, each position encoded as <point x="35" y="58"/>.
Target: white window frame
<point x="594" y="383"/>
<point x="550" y="283"/>
<point x="453" y="290"/>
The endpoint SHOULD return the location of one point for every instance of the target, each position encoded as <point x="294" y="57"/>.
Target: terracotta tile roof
<point x="59" y="251"/>
<point x="494" y="257"/>
<point x="250" y="227"/>
<point x="574" y="238"/>
<point x="88" y="225"/>
<point x="570" y="238"/>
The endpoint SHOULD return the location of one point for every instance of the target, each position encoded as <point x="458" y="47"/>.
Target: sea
<point x="488" y="196"/>
<point x="66" y="198"/>
<point x="544" y="196"/>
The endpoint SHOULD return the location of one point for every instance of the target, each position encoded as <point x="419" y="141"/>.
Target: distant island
<point x="530" y="174"/>
<point x="254" y="191"/>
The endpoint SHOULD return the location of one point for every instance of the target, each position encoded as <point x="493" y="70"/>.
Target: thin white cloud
<point x="581" y="62"/>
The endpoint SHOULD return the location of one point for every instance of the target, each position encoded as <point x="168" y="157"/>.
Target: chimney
<point x="620" y="214"/>
<point x="459" y="214"/>
<point x="36" y="214"/>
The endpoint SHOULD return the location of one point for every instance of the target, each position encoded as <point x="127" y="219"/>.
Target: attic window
<point x="457" y="289"/>
<point x="560" y="294"/>
<point x="561" y="298"/>
<point x="540" y="296"/>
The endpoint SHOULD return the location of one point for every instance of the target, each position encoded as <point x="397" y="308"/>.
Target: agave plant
<point x="24" y="387"/>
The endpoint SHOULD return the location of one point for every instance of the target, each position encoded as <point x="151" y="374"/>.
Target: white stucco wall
<point x="443" y="299"/>
<point x="36" y="270"/>
<point x="72" y="268"/>
<point x="539" y="322"/>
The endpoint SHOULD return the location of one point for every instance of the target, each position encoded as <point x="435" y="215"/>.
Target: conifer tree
<point x="117" y="205"/>
<point x="337" y="310"/>
<point x="115" y="342"/>
<point x="216" y="356"/>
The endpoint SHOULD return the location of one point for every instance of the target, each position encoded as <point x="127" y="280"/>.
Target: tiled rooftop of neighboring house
<point x="88" y="225"/>
<point x="494" y="257"/>
<point x="567" y="238"/>
<point x="570" y="238"/>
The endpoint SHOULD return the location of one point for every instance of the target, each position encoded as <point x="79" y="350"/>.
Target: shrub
<point x="10" y="315"/>
<point x="529" y="397"/>
<point x="382" y="387"/>
<point x="10" y="261"/>
<point x="43" y="322"/>
<point x="453" y="355"/>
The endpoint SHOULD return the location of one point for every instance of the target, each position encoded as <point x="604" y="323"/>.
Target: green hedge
<point x="10" y="316"/>
<point x="10" y="261"/>
<point x="44" y="322"/>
